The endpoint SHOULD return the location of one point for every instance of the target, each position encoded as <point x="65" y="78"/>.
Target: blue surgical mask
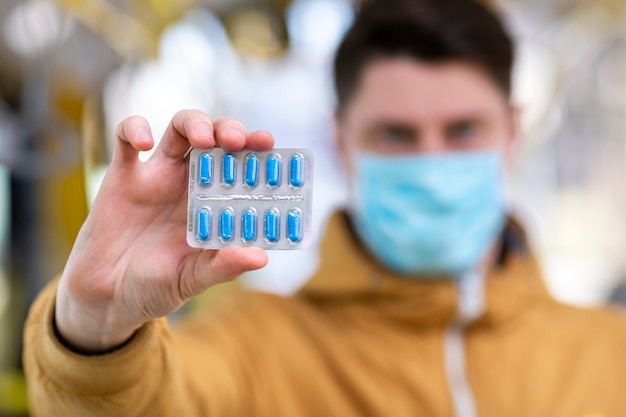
<point x="435" y="215"/>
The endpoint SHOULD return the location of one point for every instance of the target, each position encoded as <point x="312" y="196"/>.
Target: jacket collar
<point x="348" y="275"/>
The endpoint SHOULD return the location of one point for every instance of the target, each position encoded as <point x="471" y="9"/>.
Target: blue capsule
<point x="204" y="224"/>
<point x="227" y="217"/>
<point x="205" y="169"/>
<point x="294" y="225"/>
<point x="272" y="220"/>
<point x="248" y="225"/>
<point x="272" y="170"/>
<point x="228" y="169"/>
<point x="295" y="171"/>
<point x="252" y="170"/>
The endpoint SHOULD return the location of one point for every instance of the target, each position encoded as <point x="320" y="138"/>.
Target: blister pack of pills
<point x="250" y="198"/>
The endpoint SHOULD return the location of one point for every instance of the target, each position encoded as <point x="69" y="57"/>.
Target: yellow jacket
<point x="356" y="341"/>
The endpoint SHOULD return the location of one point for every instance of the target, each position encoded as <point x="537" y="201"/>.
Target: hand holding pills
<point x="130" y="262"/>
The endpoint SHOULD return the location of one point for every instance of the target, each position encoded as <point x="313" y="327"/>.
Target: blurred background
<point x="70" y="70"/>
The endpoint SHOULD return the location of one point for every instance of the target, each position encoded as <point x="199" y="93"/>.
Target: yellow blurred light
<point x="13" y="398"/>
<point x="168" y="9"/>
<point x="251" y="31"/>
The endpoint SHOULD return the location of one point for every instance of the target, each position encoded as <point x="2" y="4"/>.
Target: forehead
<point x="406" y="88"/>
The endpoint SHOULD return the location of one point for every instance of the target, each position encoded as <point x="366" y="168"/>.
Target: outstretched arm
<point x="131" y="265"/>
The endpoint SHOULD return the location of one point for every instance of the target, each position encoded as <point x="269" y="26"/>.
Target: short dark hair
<point x="428" y="30"/>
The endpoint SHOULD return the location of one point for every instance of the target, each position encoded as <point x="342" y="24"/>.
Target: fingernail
<point x="235" y="131"/>
<point x="204" y="130"/>
<point x="143" y="134"/>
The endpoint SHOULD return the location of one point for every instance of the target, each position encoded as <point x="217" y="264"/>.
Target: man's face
<point x="403" y="106"/>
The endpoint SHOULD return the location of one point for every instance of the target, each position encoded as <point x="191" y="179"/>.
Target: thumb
<point x="207" y="268"/>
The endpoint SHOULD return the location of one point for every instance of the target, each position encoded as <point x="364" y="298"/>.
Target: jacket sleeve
<point x="155" y="374"/>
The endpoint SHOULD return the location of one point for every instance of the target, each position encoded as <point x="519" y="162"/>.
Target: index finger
<point x="188" y="128"/>
<point x="232" y="136"/>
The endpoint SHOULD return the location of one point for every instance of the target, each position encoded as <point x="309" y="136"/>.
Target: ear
<point x="341" y="141"/>
<point x="513" y="133"/>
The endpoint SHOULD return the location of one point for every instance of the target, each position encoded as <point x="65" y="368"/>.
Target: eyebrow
<point x="393" y="124"/>
<point x="461" y="120"/>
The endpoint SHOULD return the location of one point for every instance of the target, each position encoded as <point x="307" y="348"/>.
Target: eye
<point x="395" y="137"/>
<point x="462" y="131"/>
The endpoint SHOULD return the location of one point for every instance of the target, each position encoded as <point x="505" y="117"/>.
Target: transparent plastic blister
<point x="250" y="198"/>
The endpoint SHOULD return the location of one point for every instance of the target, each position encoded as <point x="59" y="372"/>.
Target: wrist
<point x="87" y="329"/>
<point x="90" y="346"/>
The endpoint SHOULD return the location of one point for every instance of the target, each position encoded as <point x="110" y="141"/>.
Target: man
<point x="426" y="302"/>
